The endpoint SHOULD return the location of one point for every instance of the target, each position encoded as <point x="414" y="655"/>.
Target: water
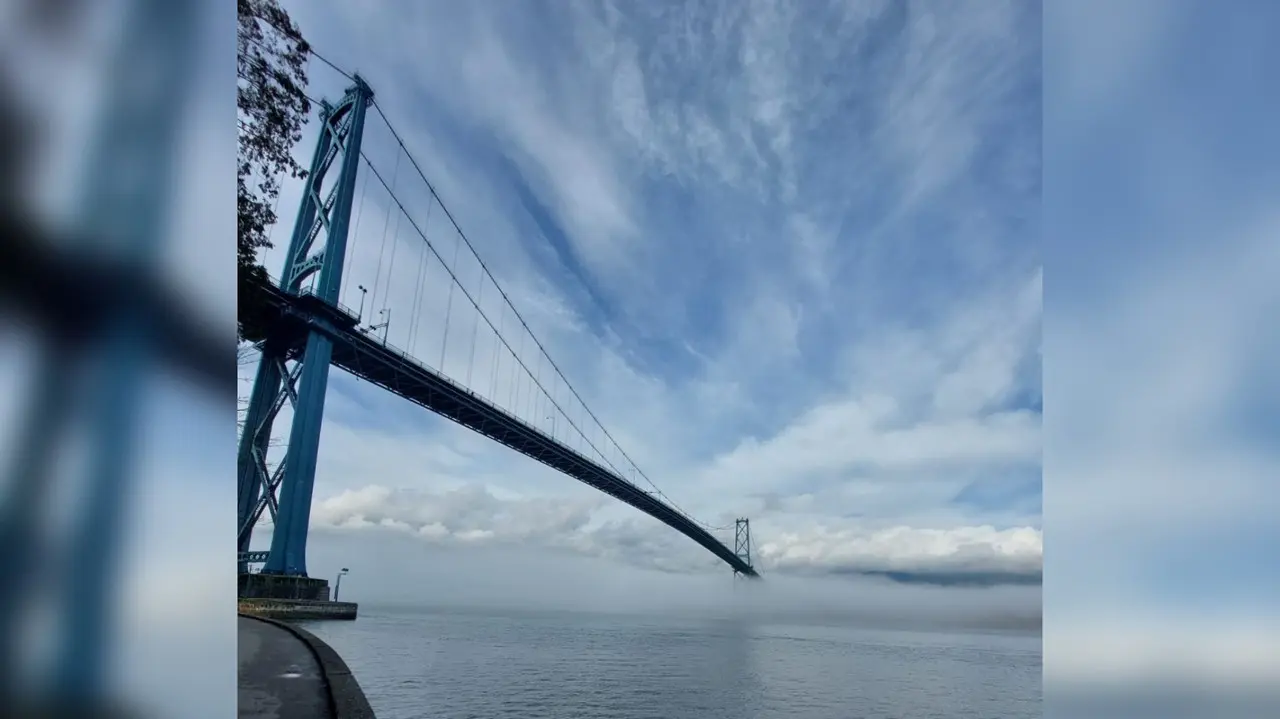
<point x="487" y="663"/>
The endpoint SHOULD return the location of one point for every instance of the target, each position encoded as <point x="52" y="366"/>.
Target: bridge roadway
<point x="266" y="310"/>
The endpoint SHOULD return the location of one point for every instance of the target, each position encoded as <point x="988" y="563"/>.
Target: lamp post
<point x="363" y="291"/>
<point x="338" y="583"/>
<point x="386" y="313"/>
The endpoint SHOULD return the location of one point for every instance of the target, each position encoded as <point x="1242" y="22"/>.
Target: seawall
<point x="296" y="609"/>
<point x="286" y="672"/>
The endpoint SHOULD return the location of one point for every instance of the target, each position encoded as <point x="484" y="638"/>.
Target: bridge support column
<point x="324" y="210"/>
<point x="251" y="457"/>
<point x="293" y="519"/>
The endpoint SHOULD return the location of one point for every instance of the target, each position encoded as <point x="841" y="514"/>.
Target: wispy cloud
<point x="784" y="250"/>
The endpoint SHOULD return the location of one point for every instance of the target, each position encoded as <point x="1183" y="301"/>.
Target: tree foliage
<point x="272" y="108"/>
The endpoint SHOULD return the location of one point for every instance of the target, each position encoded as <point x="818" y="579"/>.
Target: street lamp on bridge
<point x="338" y="583"/>
<point x="385" y="313"/>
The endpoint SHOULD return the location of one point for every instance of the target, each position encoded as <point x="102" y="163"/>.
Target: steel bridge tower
<point x="742" y="542"/>
<point x="325" y="211"/>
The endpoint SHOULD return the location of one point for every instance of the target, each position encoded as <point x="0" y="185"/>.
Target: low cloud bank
<point x="476" y="517"/>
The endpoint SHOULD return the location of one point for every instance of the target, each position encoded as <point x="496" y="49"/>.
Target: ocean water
<point x="460" y="663"/>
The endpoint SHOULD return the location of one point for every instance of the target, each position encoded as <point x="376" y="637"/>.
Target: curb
<point x="346" y="698"/>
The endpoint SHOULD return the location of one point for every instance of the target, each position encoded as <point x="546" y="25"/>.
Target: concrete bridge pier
<point x="290" y="598"/>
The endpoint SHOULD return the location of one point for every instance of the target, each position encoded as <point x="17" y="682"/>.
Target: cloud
<point x="978" y="554"/>
<point x="468" y="514"/>
<point x="796" y="280"/>
<point x="472" y="516"/>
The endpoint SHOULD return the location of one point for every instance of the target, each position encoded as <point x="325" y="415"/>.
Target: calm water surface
<point x="489" y="663"/>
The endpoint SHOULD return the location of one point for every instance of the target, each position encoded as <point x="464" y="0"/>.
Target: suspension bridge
<point x="458" y="345"/>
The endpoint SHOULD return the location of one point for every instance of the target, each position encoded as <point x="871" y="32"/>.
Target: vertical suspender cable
<point x="448" y="311"/>
<point x="417" y="286"/>
<point x="475" y="327"/>
<point x="391" y="266"/>
<point x="377" y="278"/>
<point x="497" y="356"/>
<point x="355" y="233"/>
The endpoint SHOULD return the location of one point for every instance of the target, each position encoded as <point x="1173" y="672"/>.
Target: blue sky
<point x="787" y="252"/>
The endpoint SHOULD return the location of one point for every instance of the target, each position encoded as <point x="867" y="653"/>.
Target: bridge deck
<point x="397" y="372"/>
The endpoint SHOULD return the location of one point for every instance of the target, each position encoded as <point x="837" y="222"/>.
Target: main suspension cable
<point x="519" y="317"/>
<point x="480" y="312"/>
<point x="516" y="311"/>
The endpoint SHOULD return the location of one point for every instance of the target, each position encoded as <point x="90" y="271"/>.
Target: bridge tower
<point x="742" y="542"/>
<point x="317" y="250"/>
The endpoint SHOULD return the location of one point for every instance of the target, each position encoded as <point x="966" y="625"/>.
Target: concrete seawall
<point x="296" y="609"/>
<point x="286" y="672"/>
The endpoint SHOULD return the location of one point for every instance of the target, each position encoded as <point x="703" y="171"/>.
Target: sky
<point x="788" y="253"/>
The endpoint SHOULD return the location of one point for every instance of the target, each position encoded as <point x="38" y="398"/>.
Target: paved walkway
<point x="279" y="675"/>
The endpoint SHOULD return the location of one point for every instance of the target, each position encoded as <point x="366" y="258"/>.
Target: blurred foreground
<point x="114" y="333"/>
<point x="1161" y="347"/>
